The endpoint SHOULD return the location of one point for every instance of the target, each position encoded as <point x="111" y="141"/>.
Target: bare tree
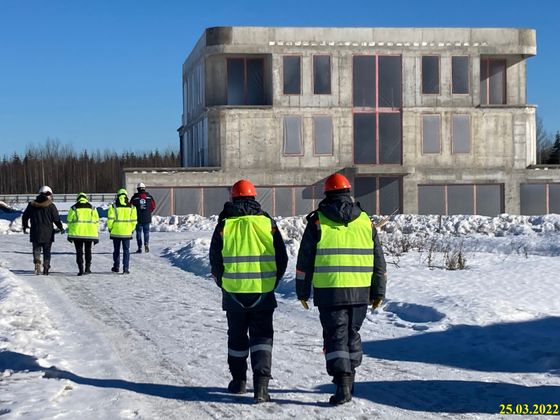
<point x="544" y="142"/>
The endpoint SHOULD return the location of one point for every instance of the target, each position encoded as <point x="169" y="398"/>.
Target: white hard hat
<point x="140" y="185"/>
<point x="45" y="189"/>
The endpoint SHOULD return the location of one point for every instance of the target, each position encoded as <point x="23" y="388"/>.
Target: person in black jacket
<point x="43" y="214"/>
<point x="340" y="255"/>
<point x="248" y="258"/>
<point x="145" y="205"/>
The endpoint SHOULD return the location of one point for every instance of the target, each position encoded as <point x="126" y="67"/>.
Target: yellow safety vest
<point x="248" y="255"/>
<point x="344" y="254"/>
<point x="121" y="221"/>
<point x="83" y="223"/>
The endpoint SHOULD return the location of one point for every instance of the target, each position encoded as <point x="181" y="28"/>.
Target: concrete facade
<point x="222" y="142"/>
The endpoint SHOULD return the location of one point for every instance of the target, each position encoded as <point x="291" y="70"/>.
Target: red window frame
<point x="377" y="110"/>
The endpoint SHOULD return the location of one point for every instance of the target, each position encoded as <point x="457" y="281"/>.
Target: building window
<point x="481" y="199"/>
<point x="389" y="83"/>
<point x="379" y="195"/>
<point x="323" y="135"/>
<point x="292" y="135"/>
<point x="363" y="81"/>
<point x="245" y="81"/>
<point x="431" y="134"/>
<point x="492" y="81"/>
<point x="461" y="136"/>
<point x="322" y="74"/>
<point x="292" y="75"/>
<point x="460" y="75"/>
<point x="377" y="91"/>
<point x="430" y="74"/>
<point x="537" y="199"/>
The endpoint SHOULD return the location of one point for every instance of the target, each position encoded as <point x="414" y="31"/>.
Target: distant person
<point x="42" y="213"/>
<point x="121" y="221"/>
<point x="248" y="258"/>
<point x="83" y="223"/>
<point x="341" y="256"/>
<point x="145" y="205"/>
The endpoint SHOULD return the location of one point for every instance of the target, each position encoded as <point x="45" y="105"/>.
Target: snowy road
<point x="153" y="344"/>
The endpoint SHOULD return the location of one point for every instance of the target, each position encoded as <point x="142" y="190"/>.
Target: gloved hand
<point x="95" y="241"/>
<point x="69" y="239"/>
<point x="304" y="304"/>
<point x="376" y="302"/>
<point x="25" y="229"/>
<point x="62" y="231"/>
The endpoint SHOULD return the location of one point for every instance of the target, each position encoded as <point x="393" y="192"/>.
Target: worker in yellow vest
<point x="248" y="258"/>
<point x="83" y="221"/>
<point x="340" y="255"/>
<point x="121" y="222"/>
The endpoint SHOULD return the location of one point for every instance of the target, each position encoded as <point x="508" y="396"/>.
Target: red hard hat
<point x="337" y="182"/>
<point x="243" y="188"/>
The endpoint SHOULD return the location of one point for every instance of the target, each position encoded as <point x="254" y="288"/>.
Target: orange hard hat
<point x="337" y="182"/>
<point x="243" y="188"/>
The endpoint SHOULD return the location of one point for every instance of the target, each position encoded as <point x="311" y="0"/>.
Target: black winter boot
<point x="88" y="269"/>
<point x="80" y="270"/>
<point x="237" y="386"/>
<point x="260" y="385"/>
<point x="46" y="268"/>
<point x="342" y="394"/>
<point x="37" y="268"/>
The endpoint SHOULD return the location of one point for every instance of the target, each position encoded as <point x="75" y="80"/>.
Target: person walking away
<point x="340" y="255"/>
<point x="42" y="213"/>
<point x="121" y="221"/>
<point x="83" y="223"/>
<point x="145" y="206"/>
<point x="248" y="258"/>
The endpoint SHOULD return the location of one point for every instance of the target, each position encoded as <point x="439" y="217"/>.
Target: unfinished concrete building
<point x="422" y="120"/>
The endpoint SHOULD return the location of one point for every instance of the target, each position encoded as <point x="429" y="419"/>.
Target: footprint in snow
<point x="412" y="312"/>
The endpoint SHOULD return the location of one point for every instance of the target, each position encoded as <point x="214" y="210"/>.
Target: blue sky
<point x="106" y="74"/>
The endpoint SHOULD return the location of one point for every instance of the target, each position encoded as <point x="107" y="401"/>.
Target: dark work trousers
<point x="341" y="341"/>
<point x="117" y="252"/>
<point x="142" y="228"/>
<point x="46" y="248"/>
<point x="258" y="343"/>
<point x="80" y="244"/>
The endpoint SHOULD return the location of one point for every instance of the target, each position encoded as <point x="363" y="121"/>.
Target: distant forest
<point x="66" y="171"/>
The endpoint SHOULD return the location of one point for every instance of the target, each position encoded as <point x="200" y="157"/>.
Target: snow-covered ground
<point x="153" y="344"/>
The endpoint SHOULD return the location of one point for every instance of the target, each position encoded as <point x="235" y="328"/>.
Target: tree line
<point x="548" y="146"/>
<point x="67" y="171"/>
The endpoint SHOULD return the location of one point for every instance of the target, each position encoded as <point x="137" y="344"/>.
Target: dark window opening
<point x="377" y="84"/>
<point x="363" y="86"/>
<point x="430" y="74"/>
<point x="484" y="199"/>
<point x="379" y="195"/>
<point x="365" y="128"/>
<point x="292" y="75"/>
<point x="390" y="86"/>
<point x="492" y="81"/>
<point x="322" y="74"/>
<point x="245" y="78"/>
<point x="460" y="75"/>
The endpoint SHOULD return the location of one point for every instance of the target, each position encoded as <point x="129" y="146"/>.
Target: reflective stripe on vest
<point x="344" y="255"/>
<point x="248" y="255"/>
<point x="83" y="223"/>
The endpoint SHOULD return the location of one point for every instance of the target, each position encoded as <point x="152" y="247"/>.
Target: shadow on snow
<point x="529" y="346"/>
<point x="19" y="362"/>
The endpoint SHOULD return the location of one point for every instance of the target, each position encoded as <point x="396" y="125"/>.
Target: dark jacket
<point x="145" y="205"/>
<point x="245" y="207"/>
<point x="341" y="209"/>
<point x="43" y="214"/>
